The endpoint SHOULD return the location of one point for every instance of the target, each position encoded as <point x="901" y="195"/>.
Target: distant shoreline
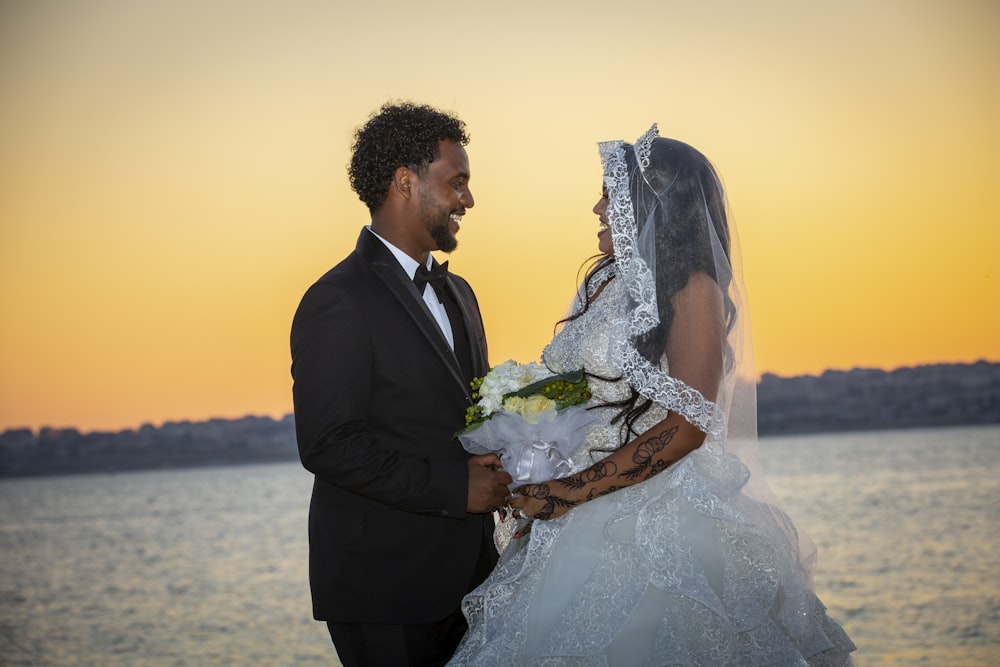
<point x="837" y="401"/>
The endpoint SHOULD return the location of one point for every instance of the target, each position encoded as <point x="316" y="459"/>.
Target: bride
<point x="664" y="546"/>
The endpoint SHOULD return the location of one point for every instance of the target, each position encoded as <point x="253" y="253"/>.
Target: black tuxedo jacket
<point x="378" y="397"/>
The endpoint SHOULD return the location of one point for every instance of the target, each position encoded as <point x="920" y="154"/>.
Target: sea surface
<point x="208" y="566"/>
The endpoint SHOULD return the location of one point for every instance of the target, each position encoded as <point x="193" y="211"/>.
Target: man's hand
<point x="487" y="484"/>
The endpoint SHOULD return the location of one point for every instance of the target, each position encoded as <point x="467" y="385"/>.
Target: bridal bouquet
<point x="535" y="420"/>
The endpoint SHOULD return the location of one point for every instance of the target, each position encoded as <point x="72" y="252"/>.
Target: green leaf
<point x="573" y="377"/>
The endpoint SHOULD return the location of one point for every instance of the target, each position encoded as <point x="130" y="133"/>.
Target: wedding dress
<point x="694" y="566"/>
<point x="679" y="570"/>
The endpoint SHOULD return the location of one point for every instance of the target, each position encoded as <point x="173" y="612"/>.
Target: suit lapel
<point x="395" y="279"/>
<point x="473" y="328"/>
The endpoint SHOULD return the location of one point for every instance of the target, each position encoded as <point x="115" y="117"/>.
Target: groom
<point x="383" y="348"/>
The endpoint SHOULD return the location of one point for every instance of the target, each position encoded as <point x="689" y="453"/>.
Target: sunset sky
<point x="172" y="176"/>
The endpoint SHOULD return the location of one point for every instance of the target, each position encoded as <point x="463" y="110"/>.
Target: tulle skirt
<point x="683" y="569"/>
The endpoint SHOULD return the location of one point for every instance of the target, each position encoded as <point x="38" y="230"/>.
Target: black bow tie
<point x="435" y="276"/>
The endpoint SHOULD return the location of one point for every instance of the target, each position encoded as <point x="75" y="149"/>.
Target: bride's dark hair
<point x="683" y="198"/>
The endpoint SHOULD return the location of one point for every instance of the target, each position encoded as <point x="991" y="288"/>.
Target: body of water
<point x="208" y="566"/>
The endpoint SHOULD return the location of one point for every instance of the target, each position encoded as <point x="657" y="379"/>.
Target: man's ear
<point x="402" y="182"/>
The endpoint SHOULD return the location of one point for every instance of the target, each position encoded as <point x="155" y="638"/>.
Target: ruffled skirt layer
<point x="683" y="569"/>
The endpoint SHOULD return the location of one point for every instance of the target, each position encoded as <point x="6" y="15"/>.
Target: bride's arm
<point x="695" y="348"/>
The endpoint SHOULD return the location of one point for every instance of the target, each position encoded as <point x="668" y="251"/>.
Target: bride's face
<point x="603" y="233"/>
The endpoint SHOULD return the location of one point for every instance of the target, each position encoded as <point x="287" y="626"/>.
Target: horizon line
<point x="282" y="415"/>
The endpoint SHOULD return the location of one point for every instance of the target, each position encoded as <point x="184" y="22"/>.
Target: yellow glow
<point x="172" y="177"/>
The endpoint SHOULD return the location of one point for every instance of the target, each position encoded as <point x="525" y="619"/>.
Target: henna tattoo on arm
<point x="533" y="490"/>
<point x="597" y="493"/>
<point x="647" y="464"/>
<point x="596" y="472"/>
<point x="544" y="493"/>
<point x="644" y="457"/>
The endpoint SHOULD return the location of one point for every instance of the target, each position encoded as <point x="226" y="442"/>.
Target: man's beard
<point x="439" y="229"/>
<point x="441" y="233"/>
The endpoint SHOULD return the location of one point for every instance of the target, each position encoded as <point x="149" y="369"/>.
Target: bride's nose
<point x="601" y="206"/>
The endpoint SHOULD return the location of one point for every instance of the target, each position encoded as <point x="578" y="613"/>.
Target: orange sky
<point x="172" y="177"/>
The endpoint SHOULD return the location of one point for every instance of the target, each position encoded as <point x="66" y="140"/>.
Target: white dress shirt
<point x="430" y="296"/>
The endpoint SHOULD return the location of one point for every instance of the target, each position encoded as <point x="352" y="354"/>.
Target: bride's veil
<point x="669" y="219"/>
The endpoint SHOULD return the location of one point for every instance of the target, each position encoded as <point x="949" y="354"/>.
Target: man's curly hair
<point x="398" y="135"/>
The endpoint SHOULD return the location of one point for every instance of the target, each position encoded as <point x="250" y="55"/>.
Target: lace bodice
<point x="584" y="342"/>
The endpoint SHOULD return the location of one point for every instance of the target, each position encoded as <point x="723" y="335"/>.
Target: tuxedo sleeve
<point x="333" y="356"/>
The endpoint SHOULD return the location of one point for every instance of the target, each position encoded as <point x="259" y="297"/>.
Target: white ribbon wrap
<point x="532" y="453"/>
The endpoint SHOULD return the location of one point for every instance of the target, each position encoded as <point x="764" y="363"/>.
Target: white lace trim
<point x="673" y="394"/>
<point x="640" y="313"/>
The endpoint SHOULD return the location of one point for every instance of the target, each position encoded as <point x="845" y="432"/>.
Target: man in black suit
<point x="400" y="523"/>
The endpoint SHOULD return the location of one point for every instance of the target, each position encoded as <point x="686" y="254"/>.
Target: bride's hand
<point x="540" y="501"/>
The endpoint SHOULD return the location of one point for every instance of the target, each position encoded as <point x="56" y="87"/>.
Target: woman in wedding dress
<point x="664" y="546"/>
